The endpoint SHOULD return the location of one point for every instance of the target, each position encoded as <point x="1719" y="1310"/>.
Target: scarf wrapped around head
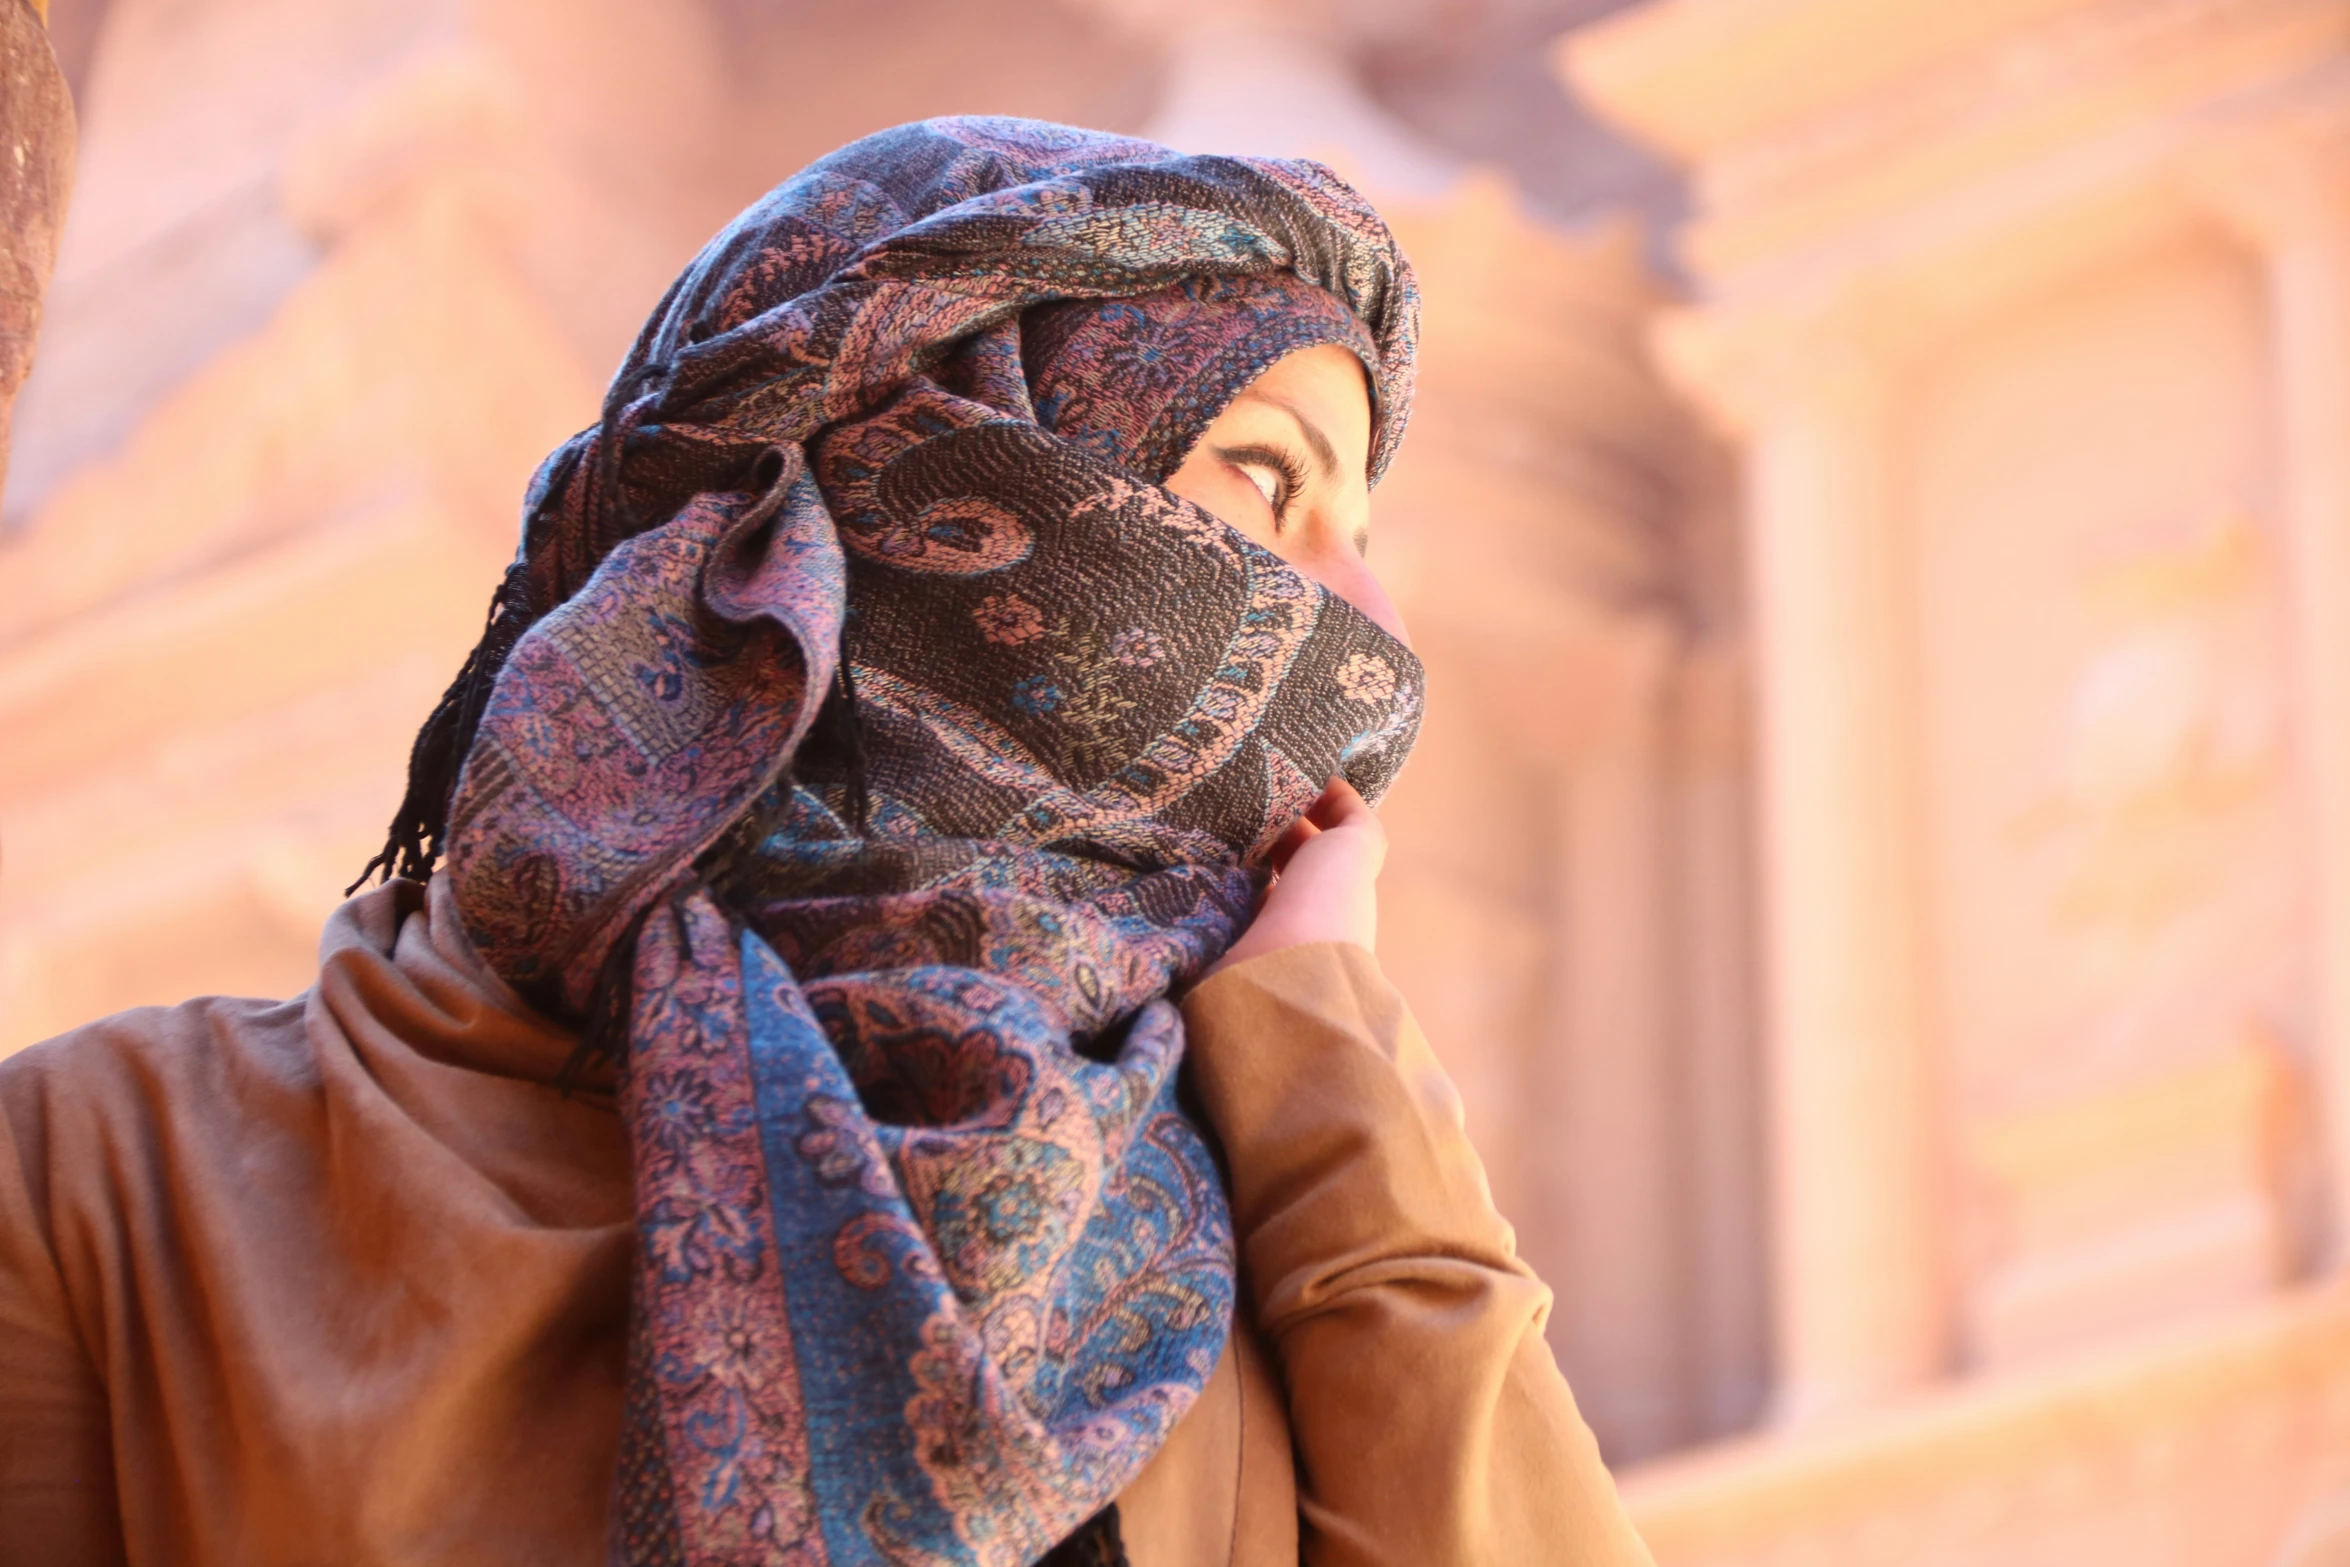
<point x="871" y="741"/>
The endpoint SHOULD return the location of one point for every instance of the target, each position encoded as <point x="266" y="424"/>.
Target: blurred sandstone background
<point x="1878" y="522"/>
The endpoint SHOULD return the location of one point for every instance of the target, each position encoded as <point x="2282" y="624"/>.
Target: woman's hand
<point x="1326" y="874"/>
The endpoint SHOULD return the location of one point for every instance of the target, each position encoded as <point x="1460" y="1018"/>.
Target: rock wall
<point x="2029" y="320"/>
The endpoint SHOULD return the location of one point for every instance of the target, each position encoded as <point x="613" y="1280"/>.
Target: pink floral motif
<point x="1365" y="677"/>
<point x="1138" y="648"/>
<point x="1008" y="619"/>
<point x="1156" y="507"/>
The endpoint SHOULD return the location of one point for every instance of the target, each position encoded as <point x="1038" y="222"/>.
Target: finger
<point x="1341" y="806"/>
<point x="1286" y="846"/>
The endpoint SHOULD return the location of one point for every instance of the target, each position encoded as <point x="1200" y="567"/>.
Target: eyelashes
<point x="1284" y="466"/>
<point x="1287" y="472"/>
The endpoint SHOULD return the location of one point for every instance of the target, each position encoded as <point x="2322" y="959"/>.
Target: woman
<point x="760" y="1138"/>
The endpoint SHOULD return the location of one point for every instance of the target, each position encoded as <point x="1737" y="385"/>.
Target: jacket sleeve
<point x="1431" y="1425"/>
<point x="57" y="1495"/>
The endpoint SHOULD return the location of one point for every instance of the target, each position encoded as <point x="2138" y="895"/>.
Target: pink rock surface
<point x="36" y="172"/>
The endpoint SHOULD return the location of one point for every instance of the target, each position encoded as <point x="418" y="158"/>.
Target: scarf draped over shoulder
<point x="863" y="746"/>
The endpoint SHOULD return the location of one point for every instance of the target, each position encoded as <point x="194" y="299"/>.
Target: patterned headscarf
<point x="867" y="738"/>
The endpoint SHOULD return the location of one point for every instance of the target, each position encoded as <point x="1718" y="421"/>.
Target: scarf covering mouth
<point x="872" y="743"/>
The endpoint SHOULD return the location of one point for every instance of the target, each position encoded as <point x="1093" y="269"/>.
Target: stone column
<point x="1611" y="1155"/>
<point x="2287" y="193"/>
<point x="1717" y="1015"/>
<point x="1860" y="1296"/>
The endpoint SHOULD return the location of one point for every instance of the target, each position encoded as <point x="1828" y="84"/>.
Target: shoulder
<point x="202" y="1059"/>
<point x="146" y="1058"/>
<point x="116" y="1107"/>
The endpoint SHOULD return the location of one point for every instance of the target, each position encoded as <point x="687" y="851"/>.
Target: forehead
<point x="1325" y="384"/>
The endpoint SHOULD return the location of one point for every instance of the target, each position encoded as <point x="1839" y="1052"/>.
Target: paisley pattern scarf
<point x="867" y="738"/>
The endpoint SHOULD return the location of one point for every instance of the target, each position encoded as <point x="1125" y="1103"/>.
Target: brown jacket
<point x="343" y="1280"/>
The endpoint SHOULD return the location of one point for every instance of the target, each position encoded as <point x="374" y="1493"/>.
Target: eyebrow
<point x="1325" y="455"/>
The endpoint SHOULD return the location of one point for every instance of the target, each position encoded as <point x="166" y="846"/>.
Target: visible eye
<point x="1277" y="475"/>
<point x="1268" y="483"/>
